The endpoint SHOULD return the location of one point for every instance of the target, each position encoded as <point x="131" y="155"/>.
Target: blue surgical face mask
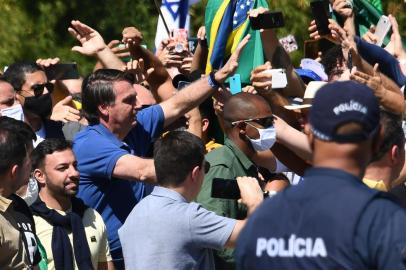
<point x="267" y="138"/>
<point x="15" y="112"/>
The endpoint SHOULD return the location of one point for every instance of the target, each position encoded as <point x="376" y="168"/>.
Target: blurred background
<point x="32" y="29"/>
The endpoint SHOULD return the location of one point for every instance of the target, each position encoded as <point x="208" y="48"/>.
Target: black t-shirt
<point x="25" y="222"/>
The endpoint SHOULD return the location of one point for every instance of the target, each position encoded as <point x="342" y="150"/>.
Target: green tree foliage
<point x="34" y="29"/>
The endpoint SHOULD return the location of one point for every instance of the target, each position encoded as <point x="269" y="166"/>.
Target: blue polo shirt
<point x="331" y="220"/>
<point x="97" y="151"/>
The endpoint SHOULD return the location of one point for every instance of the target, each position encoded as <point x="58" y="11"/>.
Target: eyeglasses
<point x="39" y="88"/>
<point x="264" y="122"/>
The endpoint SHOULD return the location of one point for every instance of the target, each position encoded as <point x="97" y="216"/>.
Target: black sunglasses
<point x="264" y="122"/>
<point x="39" y="88"/>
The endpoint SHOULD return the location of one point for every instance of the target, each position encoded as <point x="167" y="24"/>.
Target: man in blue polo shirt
<point x="109" y="152"/>
<point x="331" y="220"/>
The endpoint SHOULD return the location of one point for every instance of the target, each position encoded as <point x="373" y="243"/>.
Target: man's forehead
<point x="60" y="157"/>
<point x="35" y="77"/>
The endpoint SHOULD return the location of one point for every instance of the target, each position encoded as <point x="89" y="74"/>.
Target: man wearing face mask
<point x="248" y="124"/>
<point x="9" y="105"/>
<point x="34" y="94"/>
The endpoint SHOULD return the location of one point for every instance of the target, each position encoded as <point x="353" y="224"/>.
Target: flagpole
<point x="162" y="16"/>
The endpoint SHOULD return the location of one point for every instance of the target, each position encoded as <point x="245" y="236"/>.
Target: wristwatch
<point x="212" y="81"/>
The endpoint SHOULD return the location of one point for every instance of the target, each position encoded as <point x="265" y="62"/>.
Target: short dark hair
<point x="15" y="139"/>
<point x="47" y="147"/>
<point x="97" y="89"/>
<point x="15" y="73"/>
<point x="330" y="59"/>
<point x="20" y="127"/>
<point x="175" y="156"/>
<point x="392" y="134"/>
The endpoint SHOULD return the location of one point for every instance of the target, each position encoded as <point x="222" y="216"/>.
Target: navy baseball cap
<point x="339" y="103"/>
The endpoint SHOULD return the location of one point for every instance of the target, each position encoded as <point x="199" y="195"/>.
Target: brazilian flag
<point x="227" y="23"/>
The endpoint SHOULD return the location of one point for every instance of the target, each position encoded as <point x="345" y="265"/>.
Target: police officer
<point x="331" y="220"/>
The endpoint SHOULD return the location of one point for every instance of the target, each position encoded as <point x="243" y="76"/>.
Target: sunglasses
<point x="39" y="88"/>
<point x="264" y="122"/>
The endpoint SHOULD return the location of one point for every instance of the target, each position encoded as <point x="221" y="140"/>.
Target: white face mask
<point x="267" y="138"/>
<point x="15" y="112"/>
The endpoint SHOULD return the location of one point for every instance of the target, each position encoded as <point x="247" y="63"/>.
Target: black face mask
<point x="41" y="106"/>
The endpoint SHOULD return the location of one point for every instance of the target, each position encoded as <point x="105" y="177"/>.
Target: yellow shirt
<point x="374" y="184"/>
<point x="96" y="235"/>
<point x="211" y="145"/>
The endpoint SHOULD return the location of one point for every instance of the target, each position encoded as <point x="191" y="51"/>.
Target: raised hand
<point x="231" y="66"/>
<point x="65" y="113"/>
<point x="121" y="52"/>
<point x="261" y="81"/>
<point x="343" y="8"/>
<point x="47" y="62"/>
<point x="137" y="68"/>
<point x="132" y="36"/>
<point x="91" y="41"/>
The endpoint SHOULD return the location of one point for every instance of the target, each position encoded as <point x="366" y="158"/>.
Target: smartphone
<point x="267" y="20"/>
<point x="235" y="84"/>
<point x="62" y="72"/>
<point x="382" y="29"/>
<point x="225" y="189"/>
<point x="289" y="43"/>
<point x="279" y="78"/>
<point x="320" y="14"/>
<point x="179" y="36"/>
<point x="313" y="47"/>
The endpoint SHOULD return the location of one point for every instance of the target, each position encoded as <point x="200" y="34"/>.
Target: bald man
<point x="248" y="124"/>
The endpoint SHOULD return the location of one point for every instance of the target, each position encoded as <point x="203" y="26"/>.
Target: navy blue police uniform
<point x="329" y="221"/>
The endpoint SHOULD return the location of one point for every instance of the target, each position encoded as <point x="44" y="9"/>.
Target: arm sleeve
<point x="380" y="237"/>
<point x="99" y="158"/>
<point x="388" y="64"/>
<point x="208" y="229"/>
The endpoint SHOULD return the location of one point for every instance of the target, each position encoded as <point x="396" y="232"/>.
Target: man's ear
<point x="13" y="171"/>
<point x="205" y="124"/>
<point x="39" y="176"/>
<point x="103" y="109"/>
<point x="195" y="173"/>
<point x="395" y="154"/>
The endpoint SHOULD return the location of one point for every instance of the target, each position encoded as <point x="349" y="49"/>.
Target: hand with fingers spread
<point x="91" y="41"/>
<point x="62" y="111"/>
<point x="119" y="49"/>
<point x="372" y="81"/>
<point x="132" y="36"/>
<point x="167" y="55"/>
<point x="231" y="66"/>
<point x="47" y="62"/>
<point x="137" y="68"/>
<point x="261" y="80"/>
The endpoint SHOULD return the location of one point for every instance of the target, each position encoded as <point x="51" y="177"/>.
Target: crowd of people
<point x="151" y="162"/>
